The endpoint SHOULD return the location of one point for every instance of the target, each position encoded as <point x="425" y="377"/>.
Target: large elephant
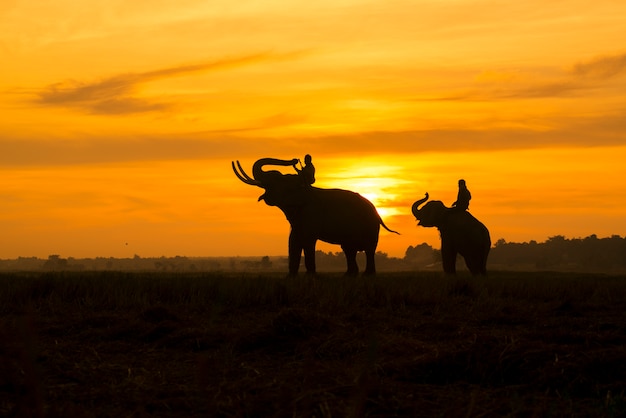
<point x="331" y="215"/>
<point x="461" y="233"/>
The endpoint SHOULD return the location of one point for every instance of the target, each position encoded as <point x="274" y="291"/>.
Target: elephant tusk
<point x="243" y="176"/>
<point x="244" y="173"/>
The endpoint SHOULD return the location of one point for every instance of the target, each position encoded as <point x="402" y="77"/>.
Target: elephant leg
<point x="483" y="263"/>
<point x="353" y="268"/>
<point x="448" y="257"/>
<point x="295" y="254"/>
<point x="476" y="262"/>
<point x="473" y="264"/>
<point x="309" y="257"/>
<point x="370" y="264"/>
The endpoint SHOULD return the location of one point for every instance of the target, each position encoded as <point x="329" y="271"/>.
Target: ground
<point x="405" y="344"/>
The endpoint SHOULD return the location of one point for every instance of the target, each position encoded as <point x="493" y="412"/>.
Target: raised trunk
<point x="415" y="207"/>
<point x="257" y="168"/>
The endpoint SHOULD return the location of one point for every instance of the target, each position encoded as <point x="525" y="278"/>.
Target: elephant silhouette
<point x="335" y="216"/>
<point x="460" y="232"/>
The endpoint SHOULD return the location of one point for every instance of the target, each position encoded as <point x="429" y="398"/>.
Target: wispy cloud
<point x="117" y="94"/>
<point x="602" y="67"/>
<point x="583" y="77"/>
<point x="227" y="145"/>
<point x="497" y="92"/>
<point x="547" y="89"/>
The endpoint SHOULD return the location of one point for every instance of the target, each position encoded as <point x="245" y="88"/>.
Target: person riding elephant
<point x="307" y="172"/>
<point x="335" y="216"/>
<point x="460" y="232"/>
<point x="463" y="197"/>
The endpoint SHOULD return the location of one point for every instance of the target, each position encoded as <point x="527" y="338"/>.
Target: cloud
<point x="125" y="105"/>
<point x="585" y="76"/>
<point x="508" y="91"/>
<point x="601" y="67"/>
<point x="563" y="88"/>
<point x="114" y="95"/>
<point x="229" y="145"/>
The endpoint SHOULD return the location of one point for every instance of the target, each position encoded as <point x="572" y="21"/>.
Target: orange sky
<point x="119" y="120"/>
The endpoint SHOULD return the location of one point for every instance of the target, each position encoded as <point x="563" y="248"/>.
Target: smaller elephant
<point x="461" y="233"/>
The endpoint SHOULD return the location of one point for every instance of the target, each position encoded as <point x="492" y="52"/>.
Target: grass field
<point x="115" y="344"/>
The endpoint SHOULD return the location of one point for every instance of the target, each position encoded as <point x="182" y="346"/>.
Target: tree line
<point x="590" y="254"/>
<point x="557" y="253"/>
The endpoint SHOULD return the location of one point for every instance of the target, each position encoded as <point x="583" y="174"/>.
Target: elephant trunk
<point x="415" y="207"/>
<point x="260" y="177"/>
<point x="257" y="168"/>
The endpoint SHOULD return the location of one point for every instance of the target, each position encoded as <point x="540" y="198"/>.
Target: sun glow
<point x="378" y="182"/>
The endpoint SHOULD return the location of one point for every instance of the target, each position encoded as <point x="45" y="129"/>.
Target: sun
<point x="376" y="183"/>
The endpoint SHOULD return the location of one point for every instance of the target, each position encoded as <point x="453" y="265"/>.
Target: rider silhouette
<point x="307" y="172"/>
<point x="463" y="198"/>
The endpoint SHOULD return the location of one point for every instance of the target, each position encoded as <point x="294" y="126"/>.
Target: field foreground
<point x="107" y="344"/>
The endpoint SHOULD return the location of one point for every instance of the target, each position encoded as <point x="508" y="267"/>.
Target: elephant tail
<point x="387" y="228"/>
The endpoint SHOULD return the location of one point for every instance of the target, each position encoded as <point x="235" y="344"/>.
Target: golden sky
<point x="119" y="120"/>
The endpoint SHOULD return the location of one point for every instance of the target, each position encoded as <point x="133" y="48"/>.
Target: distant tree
<point x="265" y="262"/>
<point x="330" y="261"/>
<point x="55" y="262"/>
<point x="420" y="255"/>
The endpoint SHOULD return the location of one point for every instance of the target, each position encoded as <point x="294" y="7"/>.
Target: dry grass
<point x="405" y="344"/>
